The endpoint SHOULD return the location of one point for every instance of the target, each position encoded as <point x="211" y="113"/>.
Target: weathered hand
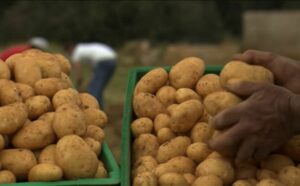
<point x="258" y="125"/>
<point x="285" y="70"/>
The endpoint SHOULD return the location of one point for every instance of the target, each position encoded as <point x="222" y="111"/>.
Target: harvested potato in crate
<point x="178" y="104"/>
<point x="48" y="131"/>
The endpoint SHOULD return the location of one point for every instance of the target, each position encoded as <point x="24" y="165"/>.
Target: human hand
<point x="285" y="70"/>
<point x="257" y="126"/>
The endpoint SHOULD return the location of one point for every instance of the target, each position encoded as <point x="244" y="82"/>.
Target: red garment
<point x="14" y="50"/>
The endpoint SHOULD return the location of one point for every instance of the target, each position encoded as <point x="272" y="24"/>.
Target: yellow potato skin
<point x="7" y="176"/>
<point x="172" y="179"/>
<point x="45" y="172"/>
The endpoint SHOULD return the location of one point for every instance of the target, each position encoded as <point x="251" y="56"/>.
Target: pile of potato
<point x="48" y="131"/>
<point x="173" y="124"/>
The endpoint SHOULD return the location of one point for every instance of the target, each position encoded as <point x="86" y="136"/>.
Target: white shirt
<point x="92" y="53"/>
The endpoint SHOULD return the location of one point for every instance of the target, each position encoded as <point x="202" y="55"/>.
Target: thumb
<point x="244" y="88"/>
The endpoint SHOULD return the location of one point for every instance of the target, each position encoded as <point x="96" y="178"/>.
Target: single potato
<point x="218" y="101"/>
<point x="145" y="145"/>
<point x="36" y="135"/>
<point x="18" y="161"/>
<point x="8" y="92"/>
<point x="173" y="148"/>
<point x="48" y="154"/>
<point x="95" y="132"/>
<point x="45" y="172"/>
<point x="290" y="176"/>
<point x="147" y="105"/>
<point x="198" y="151"/>
<point x="25" y="91"/>
<point x="49" y="86"/>
<point x="201" y="132"/>
<point x="88" y="101"/>
<point x="4" y="70"/>
<point x="37" y="105"/>
<point x="7" y="176"/>
<point x="208" y="180"/>
<point x="151" y="81"/>
<point x="95" y="116"/>
<point x="76" y="158"/>
<point x="164" y="135"/>
<point x="172" y="179"/>
<point x="186" y="72"/>
<point x="140" y="126"/>
<point x="166" y="95"/>
<point x="184" y="94"/>
<point x="145" y="178"/>
<point x="66" y="96"/>
<point x="245" y="72"/>
<point x="185" y="116"/>
<point x="161" y="121"/>
<point x="207" y="84"/>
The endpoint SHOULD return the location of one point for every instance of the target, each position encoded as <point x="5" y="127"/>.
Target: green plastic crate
<point x="109" y="162"/>
<point x="128" y="116"/>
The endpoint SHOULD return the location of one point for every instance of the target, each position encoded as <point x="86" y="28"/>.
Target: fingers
<point x="228" y="139"/>
<point x="228" y="117"/>
<point x="244" y="88"/>
<point x="246" y="149"/>
<point x="256" y="57"/>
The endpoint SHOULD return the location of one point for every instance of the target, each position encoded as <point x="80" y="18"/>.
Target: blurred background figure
<point x="35" y="42"/>
<point x="101" y="59"/>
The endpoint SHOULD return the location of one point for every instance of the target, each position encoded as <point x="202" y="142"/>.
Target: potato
<point x="88" y="101"/>
<point x="172" y="179"/>
<point x="64" y="63"/>
<point x="173" y="148"/>
<point x="201" y="132"/>
<point x="245" y="171"/>
<point x="45" y="172"/>
<point x="208" y="180"/>
<point x="198" y="151"/>
<point x="4" y="70"/>
<point x="219" y="101"/>
<point x="26" y="71"/>
<point x="164" y="135"/>
<point x="25" y="91"/>
<point x="141" y="126"/>
<point x="145" y="178"/>
<point x="186" y="72"/>
<point x="18" y="161"/>
<point x="93" y="144"/>
<point x="166" y="95"/>
<point x="101" y="171"/>
<point x="48" y="154"/>
<point x="95" y="132"/>
<point x="34" y="136"/>
<point x="207" y="84"/>
<point x="47" y="63"/>
<point x="265" y="174"/>
<point x="69" y="119"/>
<point x="7" y="176"/>
<point x="241" y="183"/>
<point x="290" y="176"/>
<point x="171" y="108"/>
<point x="11" y="60"/>
<point x="218" y="167"/>
<point x="147" y="105"/>
<point x="70" y="96"/>
<point x="37" y="105"/>
<point x="269" y="182"/>
<point x="76" y="158"/>
<point x="151" y="81"/>
<point x="12" y="117"/>
<point x="214" y="154"/>
<point x="67" y="80"/>
<point x="49" y="86"/>
<point x="145" y="145"/>
<point x="184" y="94"/>
<point x="205" y="117"/>
<point x="276" y="162"/>
<point x="95" y="117"/>
<point x="144" y="164"/>
<point x="292" y="148"/>
<point x="190" y="178"/>
<point x="161" y="121"/>
<point x="245" y="72"/>
<point x="47" y="117"/>
<point x="2" y="143"/>
<point x="180" y="164"/>
<point x="185" y="115"/>
<point x="8" y="92"/>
